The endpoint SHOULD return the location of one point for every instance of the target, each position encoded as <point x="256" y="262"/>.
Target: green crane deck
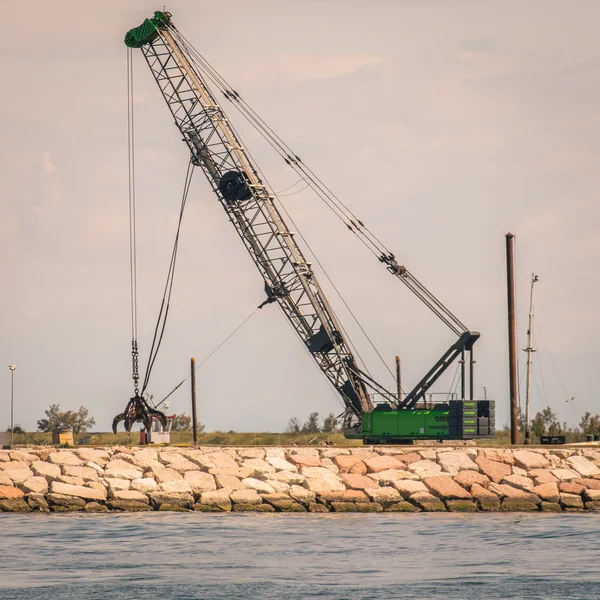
<point x="455" y="420"/>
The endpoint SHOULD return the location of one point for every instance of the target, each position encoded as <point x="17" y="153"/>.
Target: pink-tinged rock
<point x="247" y="496"/>
<point x="78" y="491"/>
<point x="583" y="466"/>
<point x="357" y="482"/>
<point x="570" y="487"/>
<point x="259" y="486"/>
<point x="388" y="476"/>
<point x="384" y="496"/>
<point x="521" y="483"/>
<point x="4" y="457"/>
<point x="200" y="481"/>
<point x="542" y="476"/>
<point x="591" y="484"/>
<point x="468" y="478"/>
<point x="280" y="464"/>
<point x="320" y="479"/>
<point x="45" y="469"/>
<point x="478" y="491"/>
<point x="8" y="492"/>
<point x="547" y="491"/>
<point x="495" y="470"/>
<point x="409" y="458"/>
<point x="407" y="487"/>
<point x="350" y="464"/>
<point x="304" y="460"/>
<point x="382" y="463"/>
<point x="71" y="480"/>
<point x="5" y="479"/>
<point x="222" y="460"/>
<point x="65" y="458"/>
<point x="565" y="474"/>
<point x="446" y="488"/>
<point x="519" y="471"/>
<point x="503" y="456"/>
<point x="306" y="451"/>
<point x="527" y="459"/>
<point x="179" y="486"/>
<point x="508" y="491"/>
<point x="456" y="460"/>
<point x="36" y="485"/>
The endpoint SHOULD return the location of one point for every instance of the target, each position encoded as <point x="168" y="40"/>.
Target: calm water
<point x="179" y="556"/>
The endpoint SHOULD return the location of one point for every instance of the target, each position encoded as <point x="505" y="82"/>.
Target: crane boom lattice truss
<point x="250" y="206"/>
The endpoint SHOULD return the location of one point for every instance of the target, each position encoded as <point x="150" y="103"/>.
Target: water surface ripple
<point x="295" y="557"/>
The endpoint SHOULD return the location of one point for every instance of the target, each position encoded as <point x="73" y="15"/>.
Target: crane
<point x="184" y="78"/>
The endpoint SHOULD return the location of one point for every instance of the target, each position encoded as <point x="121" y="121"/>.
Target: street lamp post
<point x="12" y="403"/>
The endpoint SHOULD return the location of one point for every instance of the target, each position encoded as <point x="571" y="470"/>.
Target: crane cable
<point x="223" y="86"/>
<point x="352" y="222"/>
<point x="132" y="223"/>
<point x="161" y="321"/>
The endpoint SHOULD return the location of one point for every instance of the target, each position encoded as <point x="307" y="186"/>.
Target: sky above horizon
<point x="442" y="124"/>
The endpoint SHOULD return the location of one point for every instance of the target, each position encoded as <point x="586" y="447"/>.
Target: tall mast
<point x="530" y="349"/>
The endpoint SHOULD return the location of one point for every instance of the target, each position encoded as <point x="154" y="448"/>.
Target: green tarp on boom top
<point x="147" y="31"/>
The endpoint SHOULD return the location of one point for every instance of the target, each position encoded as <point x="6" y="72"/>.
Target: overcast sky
<point x="442" y="124"/>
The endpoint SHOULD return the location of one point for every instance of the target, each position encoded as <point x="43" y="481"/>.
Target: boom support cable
<point x="161" y="321"/>
<point x="352" y="222"/>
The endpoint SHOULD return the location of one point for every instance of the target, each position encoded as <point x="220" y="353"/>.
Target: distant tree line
<point x="546" y="422"/>
<point x="79" y="421"/>
<point x="330" y="424"/>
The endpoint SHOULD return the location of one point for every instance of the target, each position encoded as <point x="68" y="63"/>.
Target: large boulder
<point x="200" y="481"/>
<point x="407" y="487"/>
<point x="177" y="486"/>
<point x="78" y="491"/>
<point x="456" y="460"/>
<point x="8" y="492"/>
<point x="305" y="460"/>
<point x="84" y="473"/>
<point x="319" y="479"/>
<point x="467" y="478"/>
<point x="427" y="502"/>
<point x="46" y="469"/>
<point x="527" y="459"/>
<point x="144" y="485"/>
<point x="65" y="457"/>
<point x="357" y="482"/>
<point x="131" y="495"/>
<point x="382" y="463"/>
<point x="519" y="482"/>
<point x="384" y="496"/>
<point x="495" y="470"/>
<point x="350" y="464"/>
<point x="583" y="466"/>
<point x="280" y="464"/>
<point x="446" y="488"/>
<point x="425" y="468"/>
<point x="547" y="491"/>
<point x="36" y="485"/>
<point x="262" y="487"/>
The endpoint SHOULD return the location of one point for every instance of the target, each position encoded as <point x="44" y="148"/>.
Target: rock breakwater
<point x="299" y="479"/>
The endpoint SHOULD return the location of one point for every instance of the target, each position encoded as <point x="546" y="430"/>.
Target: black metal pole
<point x="471" y="370"/>
<point x="398" y="379"/>
<point x="194" y="414"/>
<point x="512" y="338"/>
<point x="462" y="375"/>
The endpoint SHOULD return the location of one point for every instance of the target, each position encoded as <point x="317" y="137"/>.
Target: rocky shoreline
<point x="299" y="479"/>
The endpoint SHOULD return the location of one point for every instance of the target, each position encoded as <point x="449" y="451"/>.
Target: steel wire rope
<point x="166" y="299"/>
<point x="319" y="187"/>
<point x="132" y="222"/>
<point x="191" y="50"/>
<point x="210" y="355"/>
<point x="289" y="153"/>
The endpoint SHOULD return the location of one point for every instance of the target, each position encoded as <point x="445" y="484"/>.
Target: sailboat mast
<point x="530" y="349"/>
